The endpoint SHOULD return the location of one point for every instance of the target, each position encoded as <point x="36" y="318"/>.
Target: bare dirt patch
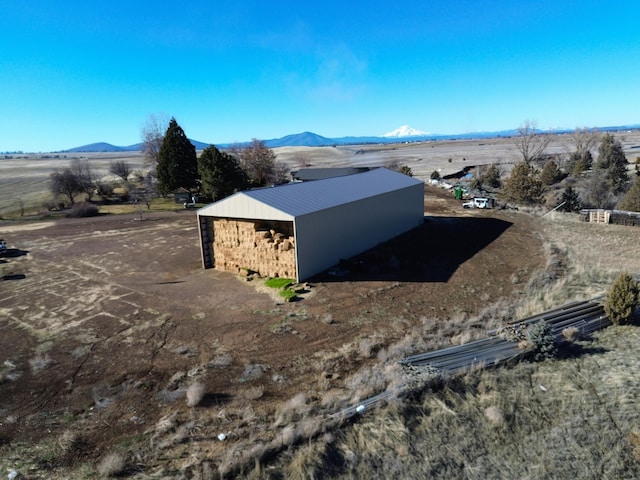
<point x="110" y="319"/>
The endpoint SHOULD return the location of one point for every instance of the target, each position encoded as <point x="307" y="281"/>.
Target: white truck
<point x="477" y="202"/>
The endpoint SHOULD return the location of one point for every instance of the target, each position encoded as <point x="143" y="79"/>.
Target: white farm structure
<point x="299" y="230"/>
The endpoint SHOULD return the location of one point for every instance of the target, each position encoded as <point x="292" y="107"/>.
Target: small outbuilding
<point x="301" y="229"/>
<point x="312" y="174"/>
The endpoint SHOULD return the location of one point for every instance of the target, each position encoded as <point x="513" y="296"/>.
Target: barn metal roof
<point x="286" y="202"/>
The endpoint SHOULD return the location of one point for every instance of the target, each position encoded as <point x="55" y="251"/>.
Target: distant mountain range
<point x="403" y="134"/>
<point x="107" y="147"/>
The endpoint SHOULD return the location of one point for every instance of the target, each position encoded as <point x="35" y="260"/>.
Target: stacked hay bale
<point x="241" y="245"/>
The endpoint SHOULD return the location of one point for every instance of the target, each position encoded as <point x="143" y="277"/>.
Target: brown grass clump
<point x="195" y="394"/>
<point x="253" y="393"/>
<point x="494" y="415"/>
<point x="112" y="465"/>
<point x="571" y="334"/>
<point x="39" y="362"/>
<point x="68" y="441"/>
<point x="292" y="410"/>
<point x="634" y="440"/>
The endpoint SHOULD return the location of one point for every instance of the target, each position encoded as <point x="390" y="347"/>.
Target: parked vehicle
<point x="3" y="247"/>
<point x="478" y="202"/>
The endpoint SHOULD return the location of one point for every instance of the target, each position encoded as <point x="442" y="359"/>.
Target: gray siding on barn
<point x="325" y="237"/>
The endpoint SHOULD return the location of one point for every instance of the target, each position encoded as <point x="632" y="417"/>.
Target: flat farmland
<point x="24" y="179"/>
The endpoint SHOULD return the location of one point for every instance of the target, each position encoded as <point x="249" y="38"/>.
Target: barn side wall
<point x="267" y="247"/>
<point x="325" y="237"/>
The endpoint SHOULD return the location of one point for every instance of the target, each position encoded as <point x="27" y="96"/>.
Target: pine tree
<point x="551" y="174"/>
<point x="611" y="158"/>
<point x="177" y="161"/>
<point x="622" y="299"/>
<point x="571" y="200"/>
<point x="578" y="163"/>
<point x="631" y="201"/>
<point x="220" y="173"/>
<point x="523" y="185"/>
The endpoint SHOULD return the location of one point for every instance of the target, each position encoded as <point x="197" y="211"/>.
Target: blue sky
<point x="77" y="72"/>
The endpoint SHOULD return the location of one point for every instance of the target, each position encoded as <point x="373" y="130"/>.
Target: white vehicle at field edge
<point x="477" y="202"/>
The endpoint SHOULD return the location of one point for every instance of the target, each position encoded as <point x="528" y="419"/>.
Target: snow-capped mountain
<point x="405" y="131"/>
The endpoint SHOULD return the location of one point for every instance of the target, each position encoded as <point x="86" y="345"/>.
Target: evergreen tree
<point x="551" y="174"/>
<point x="611" y="158"/>
<point x="631" y="201"/>
<point x="177" y="161"/>
<point x="571" y="200"/>
<point x="491" y="177"/>
<point x="578" y="163"/>
<point x="406" y="170"/>
<point x="220" y="173"/>
<point x="523" y="185"/>
<point x="622" y="299"/>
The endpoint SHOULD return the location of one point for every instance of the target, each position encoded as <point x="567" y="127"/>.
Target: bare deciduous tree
<point x="258" y="161"/>
<point x="84" y="175"/>
<point x="76" y="179"/>
<point x="584" y="140"/>
<point x="596" y="192"/>
<point x="120" y="168"/>
<point x="152" y="133"/>
<point x="281" y="173"/>
<point x="530" y="143"/>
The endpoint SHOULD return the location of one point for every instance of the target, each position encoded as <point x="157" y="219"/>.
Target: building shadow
<point x="15" y="276"/>
<point x="431" y="252"/>
<point x="15" y="252"/>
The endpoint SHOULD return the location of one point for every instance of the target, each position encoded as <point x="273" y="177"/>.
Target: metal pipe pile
<point x="500" y="346"/>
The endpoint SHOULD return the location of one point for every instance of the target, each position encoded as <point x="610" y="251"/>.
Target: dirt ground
<point x="106" y="321"/>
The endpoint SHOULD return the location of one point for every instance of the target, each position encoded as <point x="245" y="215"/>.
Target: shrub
<point x="112" y="465"/>
<point x="406" y="170"/>
<point x="622" y="299"/>
<point x="195" y="394"/>
<point x="571" y="334"/>
<point x="435" y="175"/>
<point x="541" y="339"/>
<point x="83" y="209"/>
<point x="491" y="177"/>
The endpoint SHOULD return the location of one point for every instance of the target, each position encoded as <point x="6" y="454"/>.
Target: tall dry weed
<point x="195" y="394"/>
<point x="112" y="464"/>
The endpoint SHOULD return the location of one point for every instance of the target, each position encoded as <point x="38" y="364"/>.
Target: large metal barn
<point x="301" y="229"/>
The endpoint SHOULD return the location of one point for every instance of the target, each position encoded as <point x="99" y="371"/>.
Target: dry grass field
<point x="24" y="177"/>
<point x="121" y="357"/>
